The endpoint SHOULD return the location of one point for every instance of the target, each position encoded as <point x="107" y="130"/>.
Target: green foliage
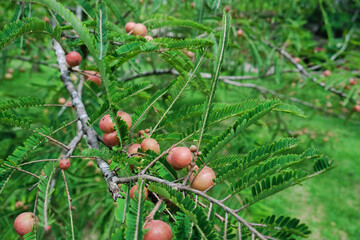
<point x="195" y="213"/>
<point x="193" y="102"/>
<point x="26" y="26"/>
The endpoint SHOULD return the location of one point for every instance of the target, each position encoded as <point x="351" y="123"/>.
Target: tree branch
<point x="83" y="118"/>
<point x="180" y="187"/>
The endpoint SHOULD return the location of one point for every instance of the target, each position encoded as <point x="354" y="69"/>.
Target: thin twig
<point x="22" y="170"/>
<point x="69" y="203"/>
<point x="180" y="187"/>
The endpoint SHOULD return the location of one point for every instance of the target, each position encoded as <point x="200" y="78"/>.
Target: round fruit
<point x="227" y="8"/>
<point x="204" y="179"/>
<point x="149" y="38"/>
<point x="24" y="223"/>
<point x="327" y="73"/>
<point x="297" y="60"/>
<point x="111" y="139"/>
<point x="193" y="148"/>
<point x="356" y="108"/>
<point x="179" y="157"/>
<point x="240" y="33"/>
<point x="106" y="124"/>
<point x="8" y="76"/>
<point x="64" y="164"/>
<point x="73" y="59"/>
<point x="352" y="81"/>
<point x="147" y="130"/>
<point x="62" y="100"/>
<point x="192" y="5"/>
<point x="19" y="204"/>
<point x="135" y="188"/>
<point x="150" y="144"/>
<point x="189" y="54"/>
<point x="139" y="30"/>
<point x="90" y="163"/>
<point x="46" y="19"/>
<point x="134" y="148"/>
<point x="95" y="79"/>
<point x="10" y="70"/>
<point x="129" y="26"/>
<point x="125" y="117"/>
<point x="22" y="69"/>
<point x="159" y="230"/>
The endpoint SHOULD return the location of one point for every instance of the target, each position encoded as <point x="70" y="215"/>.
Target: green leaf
<point x="215" y="76"/>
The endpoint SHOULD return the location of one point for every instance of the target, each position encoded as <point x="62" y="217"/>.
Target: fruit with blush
<point x="134" y="148"/>
<point x="106" y="124"/>
<point x="158" y="230"/>
<point x="135" y="188"/>
<point x="111" y="139"/>
<point x="24" y="223"/>
<point x="150" y="144"/>
<point x="327" y="73"/>
<point x="203" y="180"/>
<point x="129" y="26"/>
<point x="356" y="108"/>
<point x="139" y="30"/>
<point x="64" y="164"/>
<point x="179" y="157"/>
<point x="73" y="59"/>
<point x="240" y="32"/>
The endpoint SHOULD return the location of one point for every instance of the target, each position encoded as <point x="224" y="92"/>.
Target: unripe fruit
<point x="352" y="81"/>
<point x="24" y="223"/>
<point x="193" y="148"/>
<point x="149" y="38"/>
<point x="134" y="148"/>
<point x="204" y="179"/>
<point x="327" y="73"/>
<point x="240" y="33"/>
<point x="106" y="124"/>
<point x="64" y="164"/>
<point x="10" y="70"/>
<point x="111" y="139"/>
<point x="159" y="230"/>
<point x="135" y="188"/>
<point x="62" y="100"/>
<point x="139" y="30"/>
<point x="129" y="26"/>
<point x="356" y="108"/>
<point x="8" y="76"/>
<point x="179" y="157"/>
<point x="297" y="60"/>
<point x="73" y="59"/>
<point x="150" y="144"/>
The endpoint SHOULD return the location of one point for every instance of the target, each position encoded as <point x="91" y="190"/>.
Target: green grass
<point x="329" y="203"/>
